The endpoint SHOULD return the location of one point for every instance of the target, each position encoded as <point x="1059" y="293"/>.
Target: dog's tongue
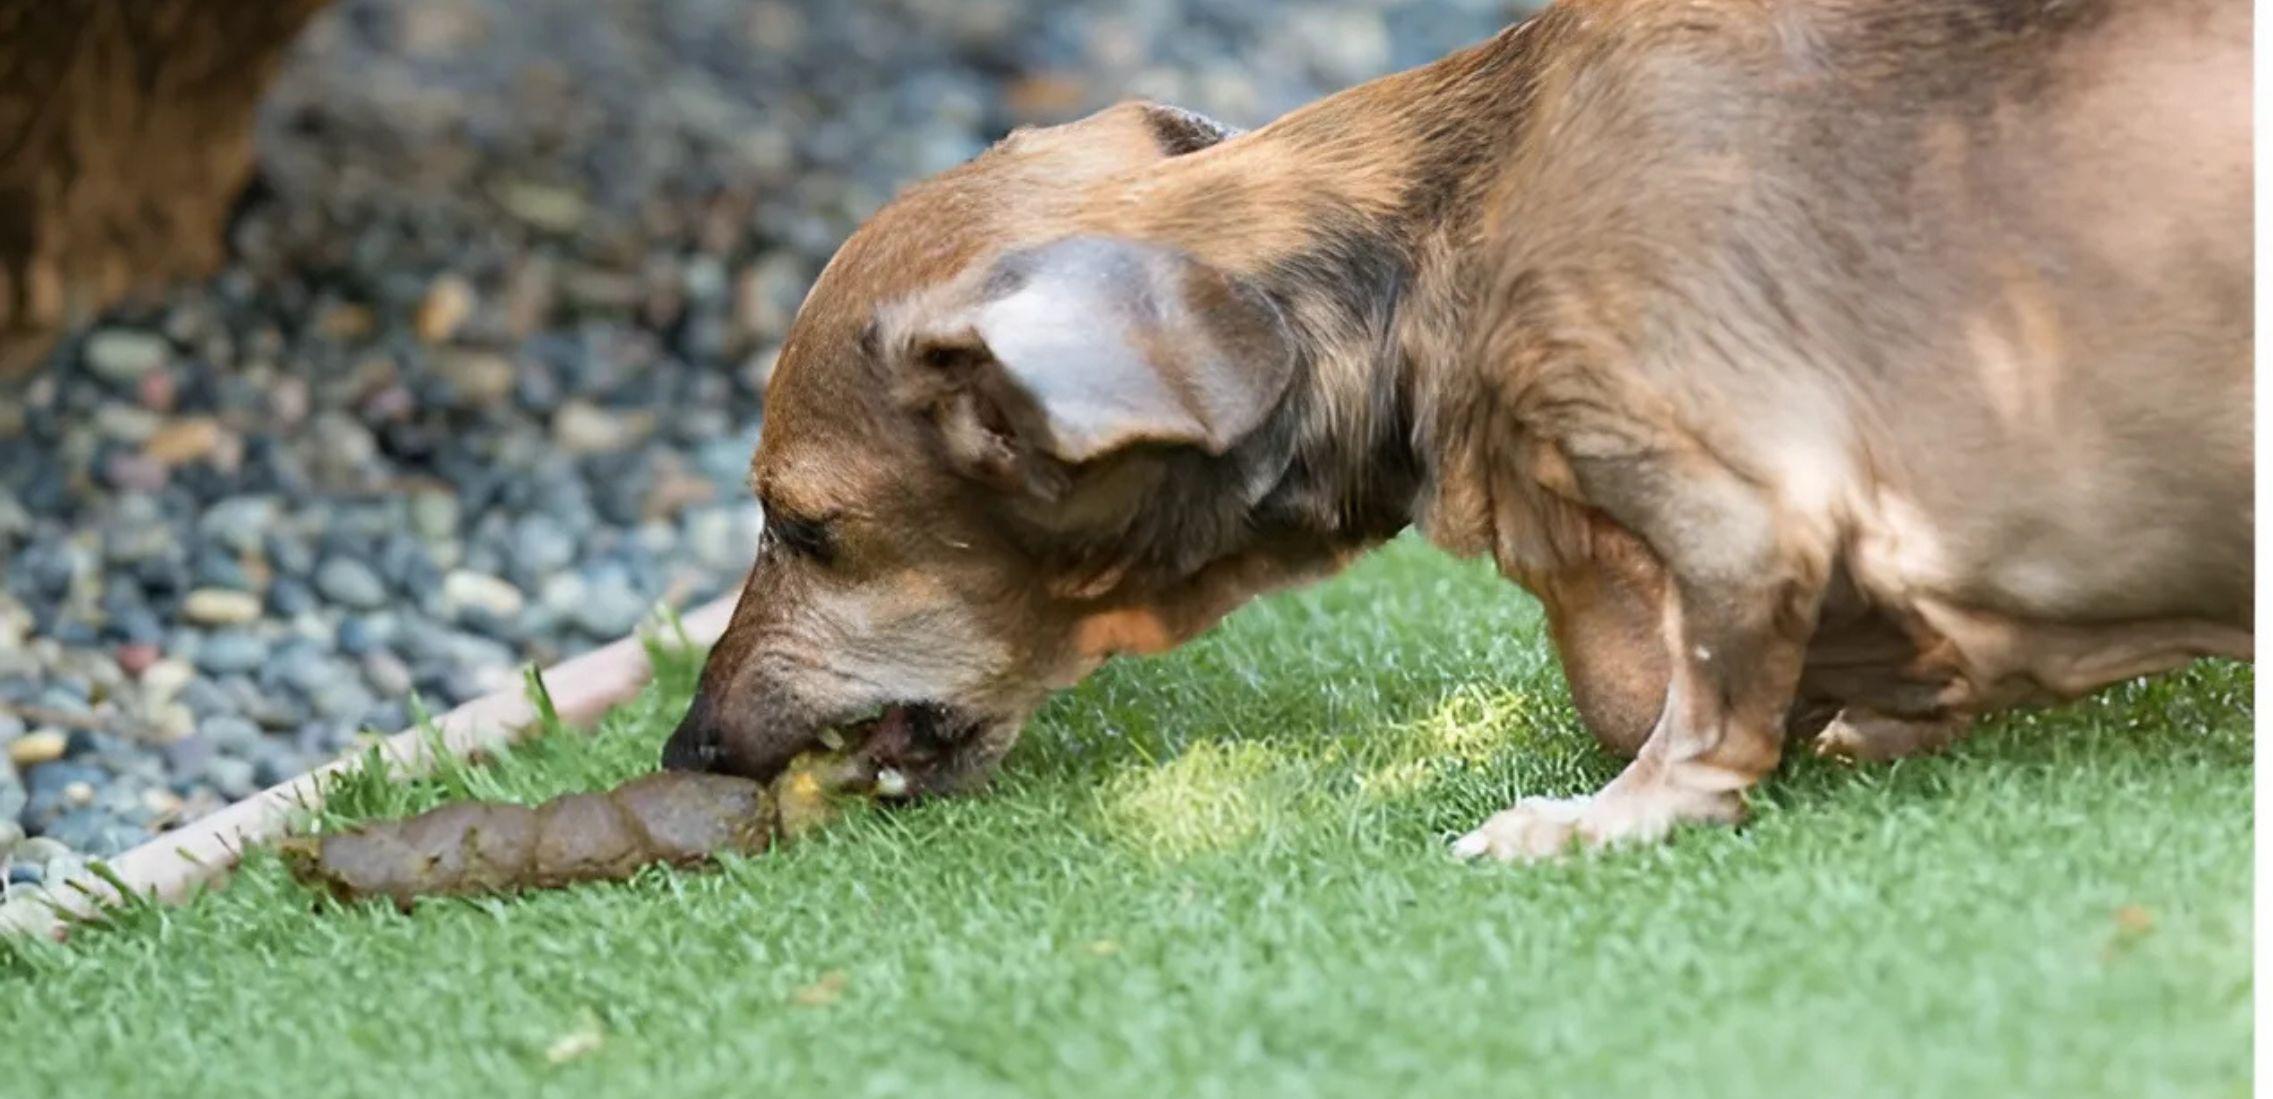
<point x="890" y="736"/>
<point x="894" y="722"/>
<point x="890" y="748"/>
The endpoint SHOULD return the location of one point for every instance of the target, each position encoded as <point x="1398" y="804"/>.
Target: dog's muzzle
<point x="694" y="745"/>
<point x="917" y="745"/>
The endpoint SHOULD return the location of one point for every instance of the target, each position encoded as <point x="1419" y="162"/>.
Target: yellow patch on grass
<point x="1213" y="796"/>
<point x="1472" y="725"/>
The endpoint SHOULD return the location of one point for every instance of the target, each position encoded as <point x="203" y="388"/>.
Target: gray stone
<point x="205" y="698"/>
<point x="724" y="539"/>
<point x="95" y="831"/>
<point x="40" y="850"/>
<point x="137" y="533"/>
<point x="434" y="515"/>
<point x="490" y="624"/>
<point x="126" y="423"/>
<point x="15" y="522"/>
<point x="190" y="755"/>
<point x="424" y="644"/>
<point x="351" y="583"/>
<point x="16" y="622"/>
<point x="462" y="685"/>
<point x="611" y="608"/>
<point x="386" y="673"/>
<point x="313" y="626"/>
<point x="67" y="692"/>
<point x="387" y="717"/>
<point x="279" y="762"/>
<point x="238" y="522"/>
<point x="407" y="565"/>
<point x="360" y="635"/>
<point x="12" y="792"/>
<point x="270" y="708"/>
<point x="55" y="790"/>
<point x="558" y="492"/>
<point x="230" y="652"/>
<point x="725" y="461"/>
<point x="124" y="800"/>
<point x="301" y="667"/>
<point x="563" y="593"/>
<point x="63" y="867"/>
<point x="348" y="451"/>
<point x="229" y="734"/>
<point x="289" y="554"/>
<point x="214" y="566"/>
<point x="340" y="698"/>
<point x="138" y="625"/>
<point x="476" y="651"/>
<point x="540" y="545"/>
<point x="232" y="776"/>
<point x="123" y="355"/>
<point x="290" y="598"/>
<point x="657" y="537"/>
<point x="47" y="566"/>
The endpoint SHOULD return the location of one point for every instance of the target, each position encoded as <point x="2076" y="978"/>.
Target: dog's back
<point x="1975" y="275"/>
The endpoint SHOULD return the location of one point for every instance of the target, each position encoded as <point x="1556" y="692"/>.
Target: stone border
<point x="171" y="868"/>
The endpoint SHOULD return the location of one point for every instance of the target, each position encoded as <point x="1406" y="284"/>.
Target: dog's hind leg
<point x="1865" y="736"/>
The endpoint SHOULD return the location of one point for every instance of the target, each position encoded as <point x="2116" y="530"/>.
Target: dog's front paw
<point x="1534" y="828"/>
<point x="1542" y="828"/>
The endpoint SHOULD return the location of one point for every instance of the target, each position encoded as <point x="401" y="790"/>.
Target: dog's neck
<point x="1356" y="215"/>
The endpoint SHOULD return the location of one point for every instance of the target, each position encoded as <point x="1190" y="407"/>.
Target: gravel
<point x="480" y="382"/>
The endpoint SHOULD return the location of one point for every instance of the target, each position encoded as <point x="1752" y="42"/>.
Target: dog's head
<point x="999" y="448"/>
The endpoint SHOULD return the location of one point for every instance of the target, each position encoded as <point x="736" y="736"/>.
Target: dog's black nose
<point x="694" y="744"/>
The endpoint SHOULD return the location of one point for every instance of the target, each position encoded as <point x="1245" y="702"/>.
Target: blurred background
<point x="477" y="378"/>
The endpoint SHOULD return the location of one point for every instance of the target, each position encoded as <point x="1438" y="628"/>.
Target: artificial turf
<point x="1223" y="872"/>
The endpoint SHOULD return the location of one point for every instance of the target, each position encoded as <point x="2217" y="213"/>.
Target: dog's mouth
<point x="905" y="749"/>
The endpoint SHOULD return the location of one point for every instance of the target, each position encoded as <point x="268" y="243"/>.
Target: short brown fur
<point x="1828" y="362"/>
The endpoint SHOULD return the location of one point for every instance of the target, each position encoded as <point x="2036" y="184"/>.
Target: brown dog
<point x="1882" y="362"/>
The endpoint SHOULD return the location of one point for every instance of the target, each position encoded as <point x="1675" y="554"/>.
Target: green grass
<point x="1223" y="873"/>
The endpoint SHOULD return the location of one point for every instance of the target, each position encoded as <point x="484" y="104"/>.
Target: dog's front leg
<point x="1745" y="586"/>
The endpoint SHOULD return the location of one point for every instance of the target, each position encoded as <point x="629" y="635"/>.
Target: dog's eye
<point x="805" y="536"/>
<point x="954" y="360"/>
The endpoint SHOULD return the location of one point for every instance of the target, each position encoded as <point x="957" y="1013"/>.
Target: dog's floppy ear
<point x="1081" y="347"/>
<point x="1180" y="131"/>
